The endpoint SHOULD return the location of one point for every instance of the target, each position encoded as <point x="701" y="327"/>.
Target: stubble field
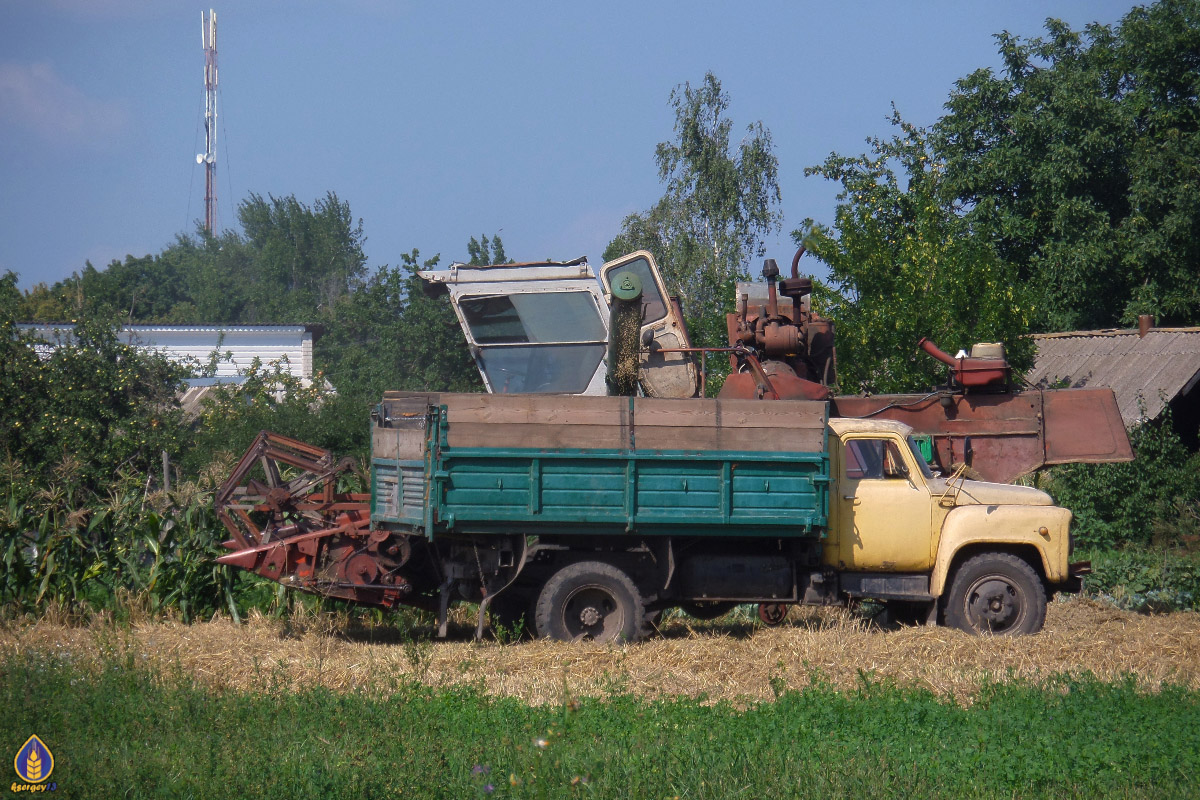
<point x="1103" y="703"/>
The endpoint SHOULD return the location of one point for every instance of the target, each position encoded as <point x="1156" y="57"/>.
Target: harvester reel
<point x="303" y="532"/>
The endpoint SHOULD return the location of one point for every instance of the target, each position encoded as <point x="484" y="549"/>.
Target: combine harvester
<point x="595" y="488"/>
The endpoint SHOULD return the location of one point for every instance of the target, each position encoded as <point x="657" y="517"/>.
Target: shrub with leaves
<point x="271" y="398"/>
<point x="93" y="399"/>
<point x="1154" y="498"/>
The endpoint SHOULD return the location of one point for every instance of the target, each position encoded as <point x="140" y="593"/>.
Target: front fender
<point x="1005" y="526"/>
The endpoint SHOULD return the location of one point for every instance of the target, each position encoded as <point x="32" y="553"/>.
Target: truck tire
<point x="996" y="593"/>
<point x="590" y="600"/>
<point x="707" y="609"/>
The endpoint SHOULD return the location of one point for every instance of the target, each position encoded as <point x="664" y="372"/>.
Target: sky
<point x="437" y="122"/>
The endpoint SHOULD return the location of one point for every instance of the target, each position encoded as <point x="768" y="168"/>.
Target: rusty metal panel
<point x="1006" y="435"/>
<point x="1084" y="425"/>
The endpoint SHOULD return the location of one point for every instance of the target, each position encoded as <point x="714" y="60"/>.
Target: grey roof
<point x="1145" y="373"/>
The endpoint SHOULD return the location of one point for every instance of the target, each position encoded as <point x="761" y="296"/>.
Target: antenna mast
<point x="208" y="40"/>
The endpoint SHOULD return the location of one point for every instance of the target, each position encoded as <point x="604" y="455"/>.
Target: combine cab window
<point x="542" y="342"/>
<point x="654" y="306"/>
<point x="558" y="368"/>
<point x="544" y="318"/>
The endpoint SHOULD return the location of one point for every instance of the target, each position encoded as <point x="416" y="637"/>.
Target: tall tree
<point x="395" y="331"/>
<point x="719" y="203"/>
<point x="903" y="265"/>
<point x="303" y="259"/>
<point x="486" y="251"/>
<point x="1081" y="159"/>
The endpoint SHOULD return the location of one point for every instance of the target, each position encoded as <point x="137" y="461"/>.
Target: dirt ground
<point x="733" y="659"/>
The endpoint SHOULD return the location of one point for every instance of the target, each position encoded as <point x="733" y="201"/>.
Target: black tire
<point x="590" y="600"/>
<point x="996" y="593"/>
<point x="707" y="609"/>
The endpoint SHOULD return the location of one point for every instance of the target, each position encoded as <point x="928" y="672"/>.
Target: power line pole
<point x="208" y="40"/>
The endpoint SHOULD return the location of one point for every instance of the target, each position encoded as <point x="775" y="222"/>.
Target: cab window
<point x="654" y="305"/>
<point x="869" y="459"/>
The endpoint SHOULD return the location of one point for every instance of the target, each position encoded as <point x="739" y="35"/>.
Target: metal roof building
<point x="232" y="349"/>
<point x="234" y="346"/>
<point x="1146" y="372"/>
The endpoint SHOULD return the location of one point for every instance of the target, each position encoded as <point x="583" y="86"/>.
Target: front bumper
<point x="1076" y="572"/>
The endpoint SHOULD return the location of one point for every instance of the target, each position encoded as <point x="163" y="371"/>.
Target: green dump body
<point x="536" y="464"/>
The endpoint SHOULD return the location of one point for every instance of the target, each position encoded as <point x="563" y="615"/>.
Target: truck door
<point x="661" y="374"/>
<point x="884" y="508"/>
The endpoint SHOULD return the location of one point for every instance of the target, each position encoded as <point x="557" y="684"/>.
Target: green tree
<point x="218" y="274"/>
<point x="903" y="265"/>
<point x="1081" y="161"/>
<point x="395" y="331"/>
<point x="94" y="401"/>
<point x="302" y="259"/>
<point x="719" y="203"/>
<point x="486" y="251"/>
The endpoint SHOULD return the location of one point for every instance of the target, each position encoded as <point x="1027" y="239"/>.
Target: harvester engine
<point x="793" y="344"/>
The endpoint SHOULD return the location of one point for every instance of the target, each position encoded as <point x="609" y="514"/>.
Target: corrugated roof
<point x="1145" y="373"/>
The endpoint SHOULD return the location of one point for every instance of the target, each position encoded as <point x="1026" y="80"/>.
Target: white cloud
<point x="34" y="97"/>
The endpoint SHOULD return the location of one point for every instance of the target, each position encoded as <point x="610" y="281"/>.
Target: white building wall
<point x="236" y="345"/>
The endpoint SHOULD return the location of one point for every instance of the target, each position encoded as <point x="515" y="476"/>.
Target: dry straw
<point x="734" y="661"/>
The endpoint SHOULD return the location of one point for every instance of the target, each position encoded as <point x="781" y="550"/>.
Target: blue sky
<point x="442" y="121"/>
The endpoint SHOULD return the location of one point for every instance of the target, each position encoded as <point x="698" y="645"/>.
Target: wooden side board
<point x="610" y="423"/>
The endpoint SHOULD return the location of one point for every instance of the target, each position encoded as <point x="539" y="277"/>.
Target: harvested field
<point x="730" y="660"/>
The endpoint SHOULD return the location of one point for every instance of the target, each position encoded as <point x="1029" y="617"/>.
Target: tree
<point x="718" y="204"/>
<point x="1081" y="162"/>
<point x="486" y="251"/>
<point x="94" y="402"/>
<point x="903" y="265"/>
<point x="302" y="259"/>
<point x="395" y="331"/>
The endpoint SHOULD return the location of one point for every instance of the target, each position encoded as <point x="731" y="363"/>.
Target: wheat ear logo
<point x="34" y="761"/>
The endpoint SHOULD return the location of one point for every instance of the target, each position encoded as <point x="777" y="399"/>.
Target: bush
<point x="1153" y="499"/>
<point x="1145" y="580"/>
<point x="272" y="399"/>
<point x="93" y="400"/>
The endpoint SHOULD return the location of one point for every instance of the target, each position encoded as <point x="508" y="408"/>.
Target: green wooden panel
<point x="730" y="493"/>
<point x="767" y="490"/>
<point x="479" y="485"/>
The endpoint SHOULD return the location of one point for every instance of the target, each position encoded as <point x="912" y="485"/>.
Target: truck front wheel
<point x="590" y="600"/>
<point x="996" y="593"/>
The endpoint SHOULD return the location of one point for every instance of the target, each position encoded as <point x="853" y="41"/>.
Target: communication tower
<point x="208" y="40"/>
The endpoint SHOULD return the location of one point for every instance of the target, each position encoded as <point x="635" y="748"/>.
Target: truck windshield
<point x="920" y="459"/>
<point x="538" y="342"/>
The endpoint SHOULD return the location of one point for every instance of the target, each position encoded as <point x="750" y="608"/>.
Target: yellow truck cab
<point x="986" y="554"/>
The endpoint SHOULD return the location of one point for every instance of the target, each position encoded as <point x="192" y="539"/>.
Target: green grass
<point x="126" y="731"/>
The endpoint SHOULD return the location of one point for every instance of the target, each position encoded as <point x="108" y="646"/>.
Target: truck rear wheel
<point x="590" y="600"/>
<point x="996" y="593"/>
